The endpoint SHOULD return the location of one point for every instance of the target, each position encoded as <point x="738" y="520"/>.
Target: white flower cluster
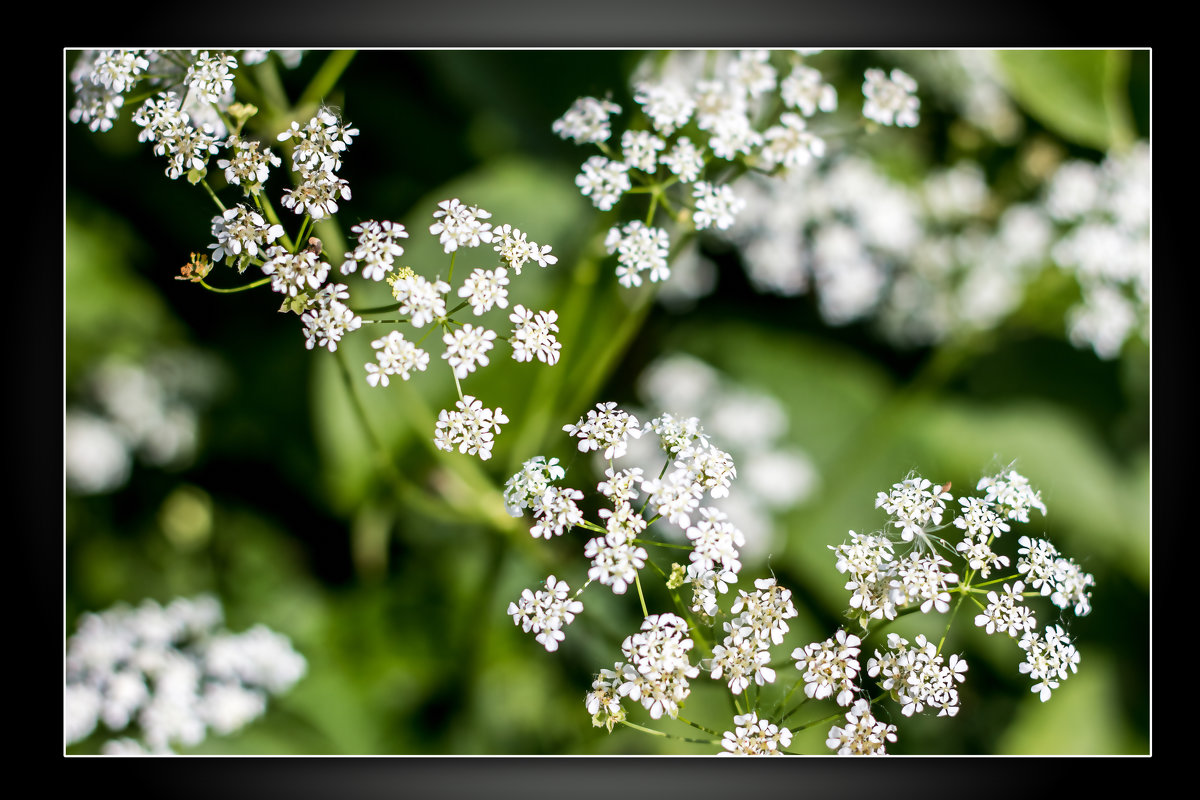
<point x="863" y="735"/>
<point x="149" y="410"/>
<point x="469" y="428"/>
<point x="697" y="117"/>
<point x="745" y="653"/>
<point x="172" y="672"/>
<point x="1103" y="213"/>
<point x="752" y="736"/>
<point x="830" y="667"/>
<point x="316" y="157"/>
<point x="100" y="79"/>
<point x="656" y="668"/>
<point x="545" y="613"/>
<point x="918" y="677"/>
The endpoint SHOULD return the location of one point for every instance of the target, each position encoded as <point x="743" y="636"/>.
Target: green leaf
<point x="1075" y="93"/>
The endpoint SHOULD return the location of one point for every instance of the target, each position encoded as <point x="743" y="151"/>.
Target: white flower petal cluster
<point x="752" y="736"/>
<point x="422" y="300"/>
<point x="210" y="77"/>
<point x="863" y="735"/>
<point x="639" y="249"/>
<point x="470" y="427"/>
<point x="1005" y="613"/>
<point x="533" y="336"/>
<point x="1012" y="495"/>
<point x="915" y="506"/>
<point x="100" y="79"/>
<point x="484" y="289"/>
<point x="377" y="249"/>
<point x="396" y="356"/>
<point x="805" y="89"/>
<point x="171" y="671"/>
<point x="248" y="166"/>
<point x="918" y="677"/>
<point x="1050" y="658"/>
<point x="606" y="429"/>
<point x="586" y="121"/>
<point x="830" y="667"/>
<point x="241" y="233"/>
<point x="467" y="347"/>
<point x="294" y="273"/>
<point x="604" y="181"/>
<point x="546" y="612"/>
<point x="458" y="225"/>
<point x="657" y="668"/>
<point x="516" y="249"/>
<point x="891" y="100"/>
<point x="716" y="206"/>
<point x="328" y="319"/>
<point x="316" y="156"/>
<point x="523" y="489"/>
<point x="1056" y="577"/>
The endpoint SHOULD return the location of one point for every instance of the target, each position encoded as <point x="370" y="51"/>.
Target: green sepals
<point x="678" y="576"/>
<point x="194" y="175"/>
<point x="296" y="304"/>
<point x="240" y="112"/>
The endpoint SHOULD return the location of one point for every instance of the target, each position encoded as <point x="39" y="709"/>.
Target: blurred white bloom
<point x="172" y="672"/>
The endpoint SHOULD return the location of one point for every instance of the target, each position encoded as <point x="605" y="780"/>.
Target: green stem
<point x="644" y="729"/>
<point x="234" y="289"/>
<point x="326" y="78"/>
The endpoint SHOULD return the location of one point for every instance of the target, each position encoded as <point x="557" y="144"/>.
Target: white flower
<point x="586" y="121"/>
<point x="420" y="298"/>
<point x="604" y="181"/>
<point x="248" y="166"/>
<point x="605" y="427"/>
<point x="377" y="248"/>
<point x="754" y="736"/>
<point x="667" y="105"/>
<point x="484" y="289"/>
<point x="555" y="511"/>
<point x="527" y="487"/>
<point x="890" y="101"/>
<point x="639" y="249"/>
<point x="467" y="348"/>
<point x="327" y="322"/>
<point x="516" y="250"/>
<point x="615" y="561"/>
<point x="640" y="150"/>
<point x="240" y="230"/>
<point x="864" y="735"/>
<point x="546" y="613"/>
<point x="396" y="356"/>
<point x="210" y="76"/>
<point x="533" y="335"/>
<point x="716" y="206"/>
<point x="458" y="225"/>
<point x="806" y="90"/>
<point x="684" y="160"/>
<point x="790" y="144"/>
<point x="470" y="427"/>
<point x="752" y="71"/>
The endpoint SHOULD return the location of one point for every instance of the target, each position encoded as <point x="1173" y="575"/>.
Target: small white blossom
<point x="586" y="121"/>
<point x="604" y="181"/>
<point x="470" y="427"/>
<point x="458" y="225"/>
<point x="890" y="100"/>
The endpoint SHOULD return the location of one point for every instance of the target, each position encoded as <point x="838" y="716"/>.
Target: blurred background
<point x="207" y="451"/>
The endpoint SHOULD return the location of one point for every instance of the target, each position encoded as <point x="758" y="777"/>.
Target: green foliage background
<point x="398" y="602"/>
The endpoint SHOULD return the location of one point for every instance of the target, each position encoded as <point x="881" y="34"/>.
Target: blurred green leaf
<point x="1080" y="718"/>
<point x="1075" y="93"/>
